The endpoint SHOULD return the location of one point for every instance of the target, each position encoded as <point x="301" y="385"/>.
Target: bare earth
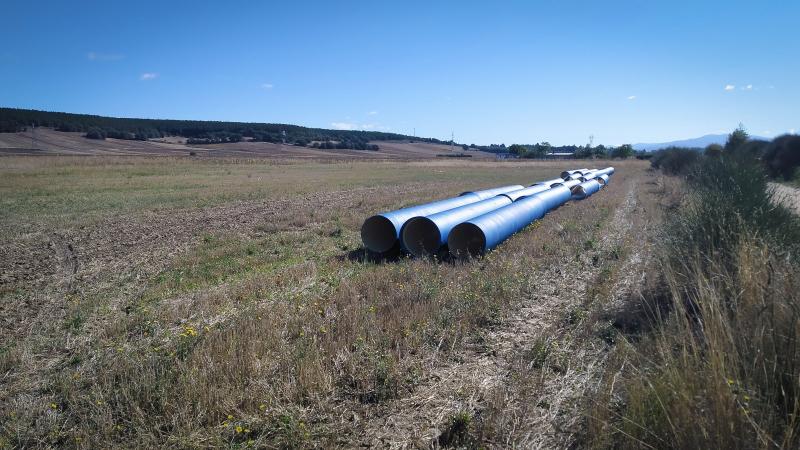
<point x="49" y="142"/>
<point x="106" y="264"/>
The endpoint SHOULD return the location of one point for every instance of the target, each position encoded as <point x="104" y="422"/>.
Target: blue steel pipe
<point x="423" y="236"/>
<point x="607" y="171"/>
<point x="381" y="233"/>
<point x="585" y="189"/>
<point x="549" y="182"/>
<point x="567" y="184"/>
<point x="604" y="177"/>
<point x="565" y="174"/>
<point x="527" y="192"/>
<point x="590" y="176"/>
<point x="479" y="235"/>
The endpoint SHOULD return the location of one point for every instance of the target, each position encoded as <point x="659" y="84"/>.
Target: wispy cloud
<point x="97" y="56"/>
<point x="267" y="86"/>
<point x="791" y="130"/>
<point x="729" y="87"/>
<point x="343" y="126"/>
<point x="358" y="126"/>
<point x="631" y="97"/>
<point x="749" y="87"/>
<point x="147" y="76"/>
<point x="372" y="113"/>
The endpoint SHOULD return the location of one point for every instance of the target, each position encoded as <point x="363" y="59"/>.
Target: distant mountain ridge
<point x="699" y="142"/>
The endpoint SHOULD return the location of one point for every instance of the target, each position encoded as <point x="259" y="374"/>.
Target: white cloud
<point x="631" y="97"/>
<point x="766" y="132"/>
<point x="95" y="56"/>
<point x="358" y="126"/>
<point x="791" y="130"/>
<point x="147" y="76"/>
<point x="749" y="87"/>
<point x="729" y="87"/>
<point x="267" y="86"/>
<point x="372" y="113"/>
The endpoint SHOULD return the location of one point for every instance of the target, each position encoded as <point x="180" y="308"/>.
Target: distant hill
<point x="14" y="120"/>
<point x="699" y="142"/>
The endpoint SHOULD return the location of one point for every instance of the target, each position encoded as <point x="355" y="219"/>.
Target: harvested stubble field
<point x="150" y="302"/>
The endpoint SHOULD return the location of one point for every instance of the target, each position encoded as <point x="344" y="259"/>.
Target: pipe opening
<point x="421" y="236"/>
<point x="578" y="190"/>
<point x="466" y="240"/>
<point x="378" y="234"/>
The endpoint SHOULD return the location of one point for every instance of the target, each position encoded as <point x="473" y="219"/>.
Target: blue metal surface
<point x="565" y="174"/>
<point x="549" y="182"/>
<point x="483" y="233"/>
<point x="607" y="171"/>
<point x="381" y="233"/>
<point x="567" y="184"/>
<point x="605" y="179"/>
<point x="527" y="192"/>
<point x="489" y="193"/>
<point x="585" y="189"/>
<point x="423" y="236"/>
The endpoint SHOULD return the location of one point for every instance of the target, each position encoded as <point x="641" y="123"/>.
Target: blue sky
<point x="491" y="72"/>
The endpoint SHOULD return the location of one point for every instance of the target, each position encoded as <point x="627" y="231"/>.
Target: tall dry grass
<point x="720" y="367"/>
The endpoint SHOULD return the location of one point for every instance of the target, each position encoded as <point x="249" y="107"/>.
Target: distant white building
<point x="506" y="155"/>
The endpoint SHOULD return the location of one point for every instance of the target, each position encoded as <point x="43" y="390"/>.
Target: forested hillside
<point x="14" y="120"/>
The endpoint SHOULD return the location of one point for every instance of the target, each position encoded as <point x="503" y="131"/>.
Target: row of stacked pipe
<point x="475" y="222"/>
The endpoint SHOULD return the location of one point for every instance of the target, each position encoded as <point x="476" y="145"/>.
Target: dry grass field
<point x="45" y="141"/>
<point x="179" y="302"/>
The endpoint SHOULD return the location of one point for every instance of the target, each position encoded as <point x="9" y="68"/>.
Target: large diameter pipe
<point x="527" y="192"/>
<point x="423" y="236"/>
<point x="568" y="183"/>
<point x="549" y="182"/>
<point x="585" y="177"/>
<point x="481" y="234"/>
<point x="592" y="175"/>
<point x="565" y="174"/>
<point x="489" y="193"/>
<point x="603" y="180"/>
<point x="585" y="189"/>
<point x="607" y="171"/>
<point x="381" y="233"/>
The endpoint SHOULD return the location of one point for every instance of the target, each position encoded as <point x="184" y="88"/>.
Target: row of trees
<point x="779" y="157"/>
<point x="544" y="148"/>
<point x="14" y="120"/>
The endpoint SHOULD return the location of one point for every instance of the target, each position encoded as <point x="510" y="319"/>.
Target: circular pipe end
<point x="421" y="237"/>
<point x="466" y="240"/>
<point x="378" y="234"/>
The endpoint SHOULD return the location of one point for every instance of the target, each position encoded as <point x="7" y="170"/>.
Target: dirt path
<point x="789" y="196"/>
<point x="481" y="373"/>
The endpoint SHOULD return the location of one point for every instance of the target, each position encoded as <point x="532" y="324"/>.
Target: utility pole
<point x="452" y="139"/>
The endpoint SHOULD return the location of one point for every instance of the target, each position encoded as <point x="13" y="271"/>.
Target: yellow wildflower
<point x="238" y="428"/>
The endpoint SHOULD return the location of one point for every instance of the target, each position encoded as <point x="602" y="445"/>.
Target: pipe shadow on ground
<point x="395" y="255"/>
